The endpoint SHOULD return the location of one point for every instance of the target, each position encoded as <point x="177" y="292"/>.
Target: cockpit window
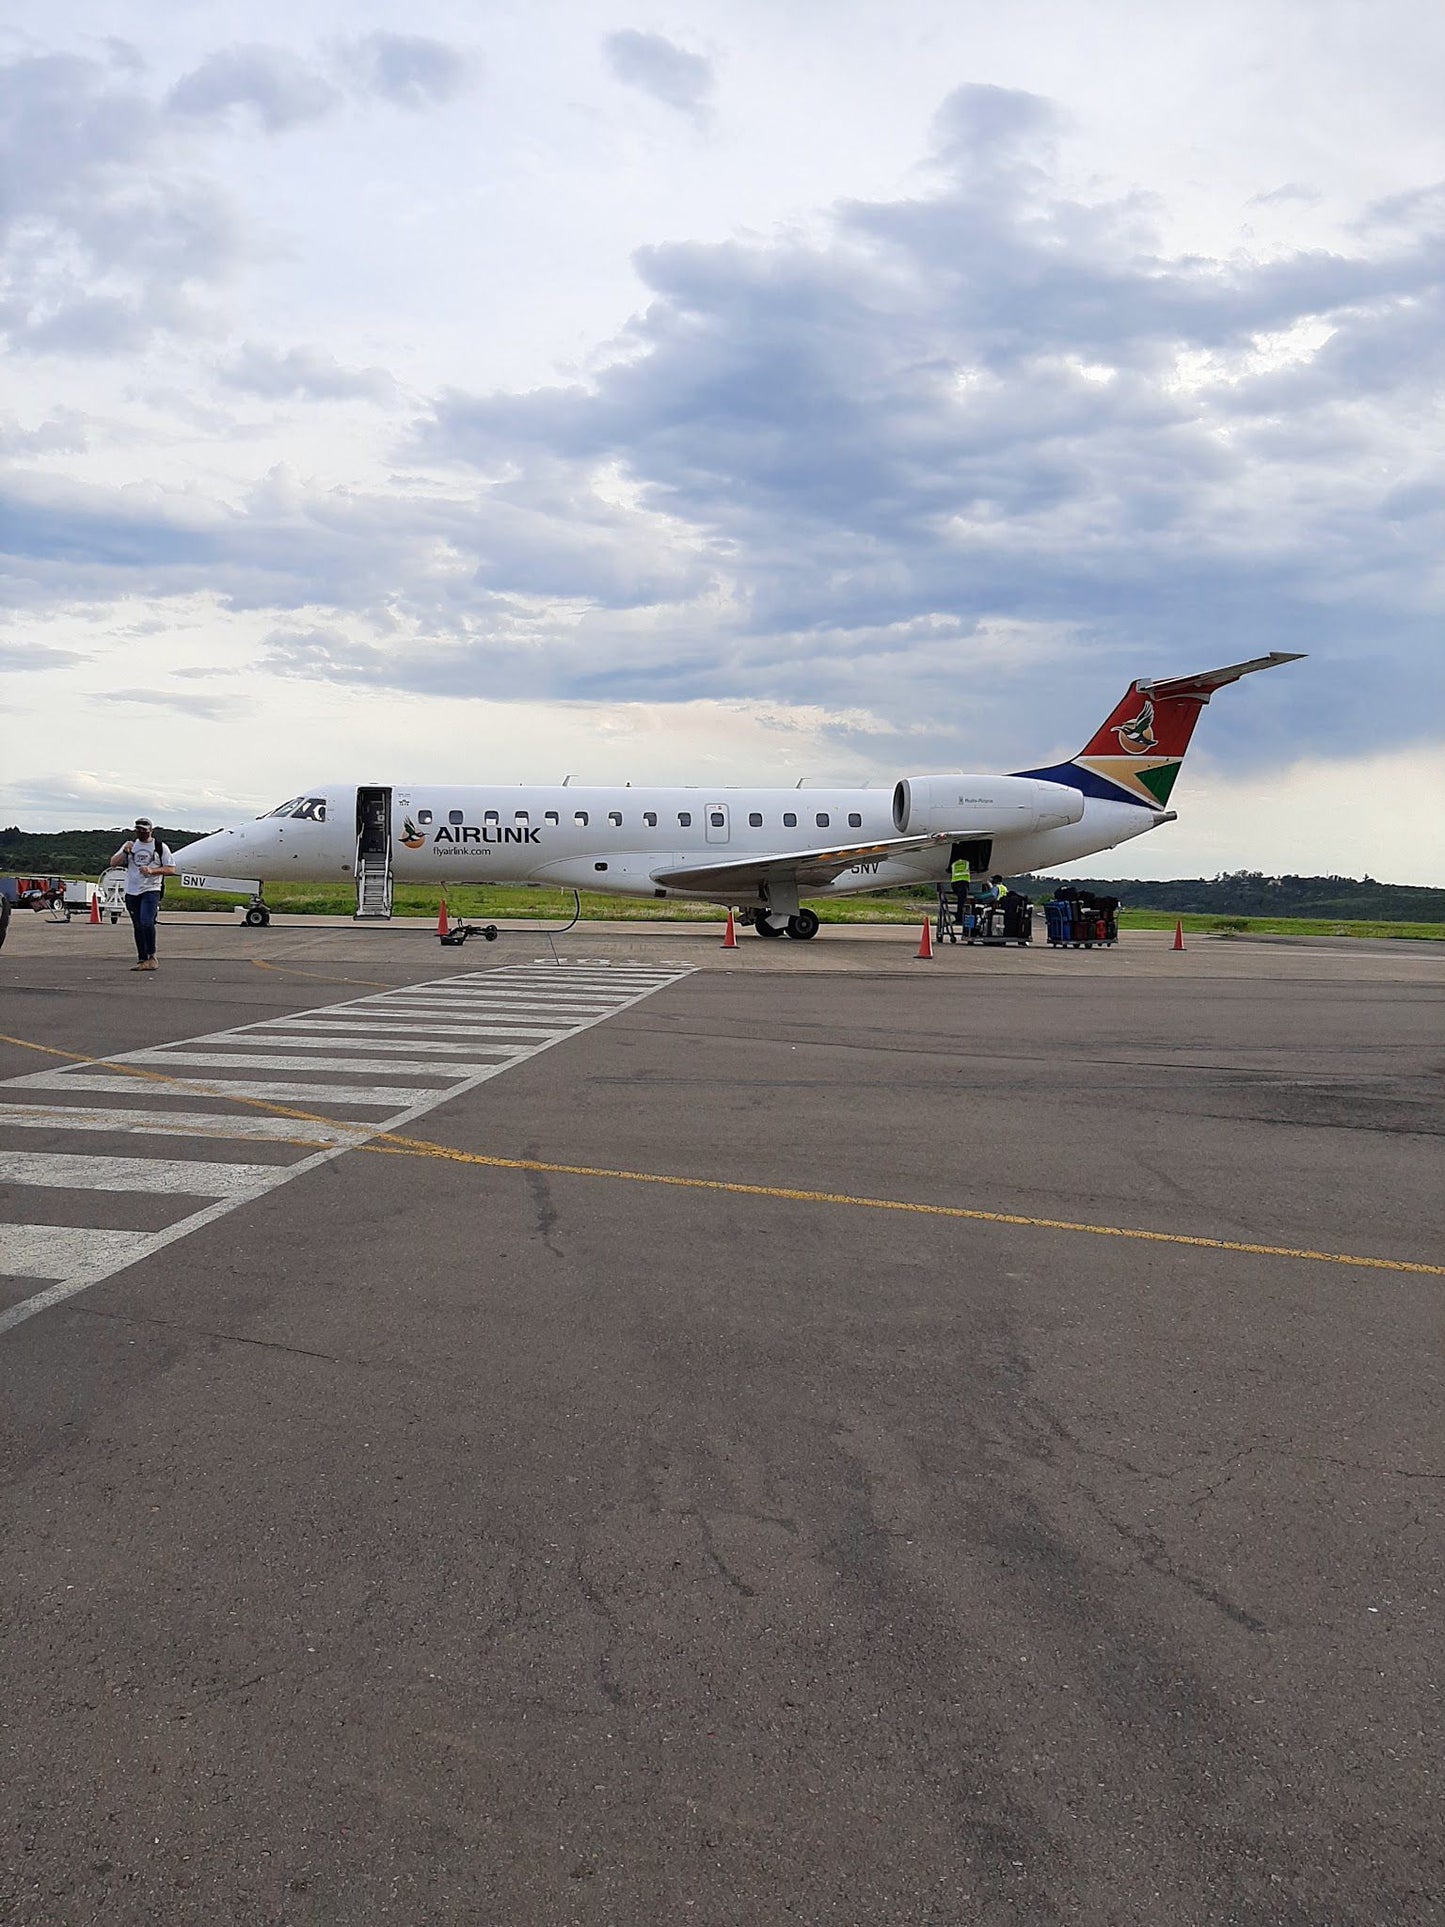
<point x="306" y="809"/>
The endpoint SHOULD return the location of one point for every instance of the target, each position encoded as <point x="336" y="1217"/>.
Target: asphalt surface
<point x="434" y="1541"/>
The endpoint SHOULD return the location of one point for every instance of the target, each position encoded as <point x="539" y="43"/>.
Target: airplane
<point x="758" y="851"/>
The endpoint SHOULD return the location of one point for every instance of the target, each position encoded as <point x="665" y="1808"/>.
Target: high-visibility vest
<point x="961" y="872"/>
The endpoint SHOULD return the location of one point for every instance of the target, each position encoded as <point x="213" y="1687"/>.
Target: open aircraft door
<point x="373" y="854"/>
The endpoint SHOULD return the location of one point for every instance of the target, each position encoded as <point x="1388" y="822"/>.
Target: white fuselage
<point x="619" y="840"/>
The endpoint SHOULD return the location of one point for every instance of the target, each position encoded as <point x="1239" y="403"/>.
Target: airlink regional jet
<point x="757" y="850"/>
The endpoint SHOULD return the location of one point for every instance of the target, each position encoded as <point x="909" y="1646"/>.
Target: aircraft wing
<point x="809" y="869"/>
<point x="1208" y="680"/>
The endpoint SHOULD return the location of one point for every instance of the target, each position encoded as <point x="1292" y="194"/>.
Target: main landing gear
<point x="802" y="926"/>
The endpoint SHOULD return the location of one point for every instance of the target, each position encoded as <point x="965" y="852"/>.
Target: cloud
<point x="63" y="433"/>
<point x="101" y="245"/>
<point x="305" y="374"/>
<point x="282" y="90"/>
<point x="406" y="69"/>
<point x="659" y="67"/>
<point x="27" y="656"/>
<point x="204" y="708"/>
<point x="958" y="462"/>
<point x="111" y="231"/>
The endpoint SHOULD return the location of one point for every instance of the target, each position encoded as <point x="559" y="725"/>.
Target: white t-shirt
<point x="147" y="853"/>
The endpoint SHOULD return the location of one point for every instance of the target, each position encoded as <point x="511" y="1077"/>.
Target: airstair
<point x="373" y="886"/>
<point x="373" y="856"/>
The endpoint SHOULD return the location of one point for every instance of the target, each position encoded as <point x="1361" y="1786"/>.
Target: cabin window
<point x="456" y="816"/>
<point x="524" y="816"/>
<point x="855" y="821"/>
<point x="490" y="816"/>
<point x="755" y="819"/>
<point x="790" y="820"/>
<point x="551" y="816"/>
<point x="718" y="820"/>
<point x="684" y="819"/>
<point x="423" y="816"/>
<point x="614" y="817"/>
<point x="649" y="817"/>
<point x="579" y="817"/>
<point x="822" y="819"/>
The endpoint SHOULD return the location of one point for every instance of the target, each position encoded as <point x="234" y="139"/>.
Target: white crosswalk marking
<point x="61" y="1250"/>
<point x="278" y="1061"/>
<point x="446" y="1038"/>
<point x="54" y="1170"/>
<point x="200" y="1124"/>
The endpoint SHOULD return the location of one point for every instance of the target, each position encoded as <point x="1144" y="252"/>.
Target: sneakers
<point x="149" y="964"/>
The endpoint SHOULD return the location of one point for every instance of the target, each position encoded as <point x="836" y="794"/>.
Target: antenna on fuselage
<point x="565" y="781"/>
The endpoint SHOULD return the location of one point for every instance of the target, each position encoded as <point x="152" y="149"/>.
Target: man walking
<point x="148" y="863"/>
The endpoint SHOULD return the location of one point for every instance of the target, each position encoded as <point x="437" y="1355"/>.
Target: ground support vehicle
<point x="112" y="894"/>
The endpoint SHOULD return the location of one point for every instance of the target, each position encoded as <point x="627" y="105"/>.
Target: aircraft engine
<point x="979" y="806"/>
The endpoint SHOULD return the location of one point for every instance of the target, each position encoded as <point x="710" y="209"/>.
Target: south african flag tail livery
<point x="1134" y="756"/>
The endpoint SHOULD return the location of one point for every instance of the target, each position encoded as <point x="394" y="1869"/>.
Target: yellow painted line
<point x="391" y="1143"/>
<point x="289" y="970"/>
<point x="417" y="1147"/>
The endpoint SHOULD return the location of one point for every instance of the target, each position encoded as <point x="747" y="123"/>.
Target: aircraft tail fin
<point x="1135" y="753"/>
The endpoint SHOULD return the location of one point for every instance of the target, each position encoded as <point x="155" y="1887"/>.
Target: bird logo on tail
<point x="1137" y="735"/>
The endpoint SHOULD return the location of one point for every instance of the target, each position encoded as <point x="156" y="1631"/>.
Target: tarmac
<point x="604" y="1429"/>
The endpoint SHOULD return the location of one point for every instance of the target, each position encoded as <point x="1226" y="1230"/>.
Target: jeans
<point x="144" y="909"/>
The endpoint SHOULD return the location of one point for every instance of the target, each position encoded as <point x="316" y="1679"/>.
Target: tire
<point x="766" y="929"/>
<point x="489" y="931"/>
<point x="804" y="925"/>
<point x="258" y="916"/>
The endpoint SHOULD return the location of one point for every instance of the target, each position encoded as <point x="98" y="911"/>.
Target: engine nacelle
<point x="983" y="806"/>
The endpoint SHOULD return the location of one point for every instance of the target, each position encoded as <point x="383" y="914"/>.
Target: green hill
<point x="1249" y="893"/>
<point x="70" y="853"/>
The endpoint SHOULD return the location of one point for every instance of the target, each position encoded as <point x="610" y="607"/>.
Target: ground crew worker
<point x="960" y="877"/>
<point x="147" y="865"/>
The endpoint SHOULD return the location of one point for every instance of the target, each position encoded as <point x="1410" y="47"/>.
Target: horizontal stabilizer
<point x="1201" y="687"/>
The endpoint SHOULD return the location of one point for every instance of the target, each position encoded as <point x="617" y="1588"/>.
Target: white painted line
<point x="456" y="1036"/>
<point x="56" y="1170"/>
<point x="208" y="1124"/>
<point x="277" y="1061"/>
<point x="363" y="1040"/>
<point x="87" y="1258"/>
<point x="275" y="1093"/>
<point x="60" y="1250"/>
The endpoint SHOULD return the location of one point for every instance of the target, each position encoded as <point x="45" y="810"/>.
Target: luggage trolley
<point x="1082" y="921"/>
<point x="1011" y="921"/>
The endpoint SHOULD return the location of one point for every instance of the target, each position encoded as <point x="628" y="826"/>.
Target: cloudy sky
<point x="725" y="392"/>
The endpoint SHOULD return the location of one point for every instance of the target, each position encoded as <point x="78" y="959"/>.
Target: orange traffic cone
<point x="925" y="942"/>
<point x="1178" y="943"/>
<point x="730" y="941"/>
<point x="95" y="909"/>
<point x="442" y="925"/>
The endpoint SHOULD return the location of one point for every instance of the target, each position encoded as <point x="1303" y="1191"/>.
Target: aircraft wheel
<point x="766" y="929"/>
<point x="804" y="925"/>
<point x="258" y="916"/>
